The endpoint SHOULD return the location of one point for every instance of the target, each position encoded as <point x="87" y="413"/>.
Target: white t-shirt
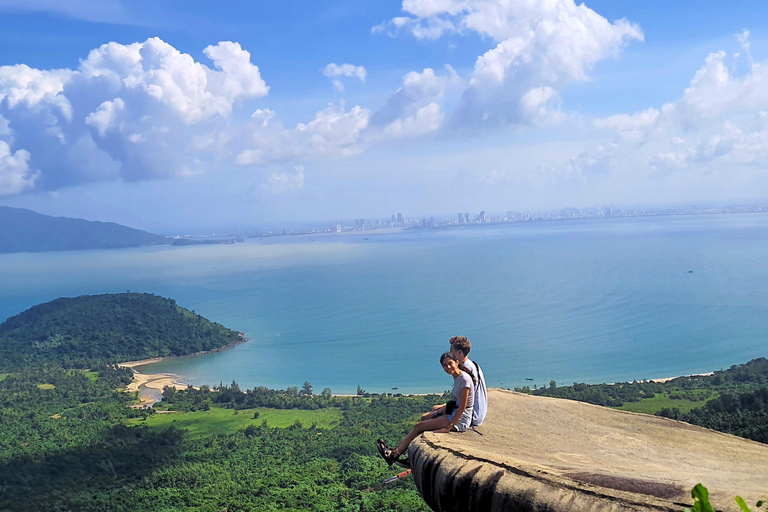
<point x="481" y="393"/>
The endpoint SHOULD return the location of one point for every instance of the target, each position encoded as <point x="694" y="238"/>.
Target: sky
<point x="196" y="116"/>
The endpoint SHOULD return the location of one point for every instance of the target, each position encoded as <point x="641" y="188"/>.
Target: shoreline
<point x="667" y="379"/>
<point x="157" y="381"/>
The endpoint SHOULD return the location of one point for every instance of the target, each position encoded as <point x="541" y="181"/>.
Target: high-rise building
<point x="393" y="218"/>
<point x="461" y="218"/>
<point x="399" y="218"/>
<point x="482" y="216"/>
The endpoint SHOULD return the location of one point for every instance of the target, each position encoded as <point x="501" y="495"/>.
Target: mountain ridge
<point x="23" y="230"/>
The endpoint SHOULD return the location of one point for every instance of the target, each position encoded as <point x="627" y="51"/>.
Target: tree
<point x="306" y="389"/>
<point x="326" y="393"/>
<point x="292" y="391"/>
<point x="552" y="384"/>
<point x="360" y="390"/>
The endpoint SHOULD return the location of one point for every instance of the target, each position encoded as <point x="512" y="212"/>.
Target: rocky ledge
<point x="547" y="454"/>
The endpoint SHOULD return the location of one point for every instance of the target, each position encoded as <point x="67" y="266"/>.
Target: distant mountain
<point x="110" y="328"/>
<point x="27" y="231"/>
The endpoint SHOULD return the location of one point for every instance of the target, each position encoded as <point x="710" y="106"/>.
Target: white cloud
<point x="104" y="117"/>
<point x="414" y="109"/>
<point x="716" y="132"/>
<point x="135" y="110"/>
<point x="279" y="182"/>
<point x="425" y="120"/>
<point x="263" y="115"/>
<point x="15" y="174"/>
<point x="333" y="132"/>
<point x="334" y="70"/>
<point x="541" y="46"/>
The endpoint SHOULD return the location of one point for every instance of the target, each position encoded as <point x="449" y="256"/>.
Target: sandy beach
<point x="154" y="381"/>
<point x="666" y="379"/>
<point x="157" y="381"/>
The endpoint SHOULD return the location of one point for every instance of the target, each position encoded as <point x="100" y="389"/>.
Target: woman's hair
<point x="448" y="355"/>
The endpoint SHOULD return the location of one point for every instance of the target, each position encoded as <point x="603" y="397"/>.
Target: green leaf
<point x="700" y="496"/>
<point x="742" y="504"/>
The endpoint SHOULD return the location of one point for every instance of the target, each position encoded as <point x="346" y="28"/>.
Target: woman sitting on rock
<point x="455" y="416"/>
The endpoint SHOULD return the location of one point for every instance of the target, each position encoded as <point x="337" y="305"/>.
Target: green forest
<point x="68" y="441"/>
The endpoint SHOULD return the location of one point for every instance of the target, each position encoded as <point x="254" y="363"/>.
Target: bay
<point x="585" y="300"/>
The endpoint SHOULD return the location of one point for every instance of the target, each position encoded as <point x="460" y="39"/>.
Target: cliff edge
<point x="548" y="454"/>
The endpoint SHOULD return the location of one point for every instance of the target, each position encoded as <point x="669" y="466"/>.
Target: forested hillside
<point x="27" y="231"/>
<point x="76" y="332"/>
<point x="68" y="442"/>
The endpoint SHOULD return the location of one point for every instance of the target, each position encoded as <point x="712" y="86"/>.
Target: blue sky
<point x="177" y="116"/>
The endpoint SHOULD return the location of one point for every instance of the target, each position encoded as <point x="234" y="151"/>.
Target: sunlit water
<point x="588" y="301"/>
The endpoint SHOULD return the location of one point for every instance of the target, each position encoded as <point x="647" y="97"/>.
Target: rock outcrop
<point x="548" y="454"/>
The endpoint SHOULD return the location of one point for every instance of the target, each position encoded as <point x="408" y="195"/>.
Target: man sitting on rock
<point x="460" y="347"/>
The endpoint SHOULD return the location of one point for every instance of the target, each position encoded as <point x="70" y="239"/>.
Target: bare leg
<point x="422" y="426"/>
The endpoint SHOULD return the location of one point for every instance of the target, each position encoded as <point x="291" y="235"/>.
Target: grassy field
<point x="660" y="401"/>
<point x="46" y="386"/>
<point x="227" y="421"/>
<point x="92" y="376"/>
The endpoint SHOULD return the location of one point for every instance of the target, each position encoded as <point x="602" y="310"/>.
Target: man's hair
<point x="461" y="343"/>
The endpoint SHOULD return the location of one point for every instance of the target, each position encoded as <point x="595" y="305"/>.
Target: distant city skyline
<point x="170" y="116"/>
<point x="401" y="220"/>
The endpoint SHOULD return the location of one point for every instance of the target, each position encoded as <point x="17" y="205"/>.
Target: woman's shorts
<point x="464" y="422"/>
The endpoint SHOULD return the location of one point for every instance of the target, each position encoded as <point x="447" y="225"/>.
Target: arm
<point x="462" y="406"/>
<point x="434" y="413"/>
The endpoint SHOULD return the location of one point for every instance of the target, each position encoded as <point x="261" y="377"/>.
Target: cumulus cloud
<point x="333" y="132"/>
<point x="147" y="111"/>
<point x="15" y="174"/>
<point x="414" y="109"/>
<point x="127" y="112"/>
<point x="540" y="47"/>
<point x="717" y="130"/>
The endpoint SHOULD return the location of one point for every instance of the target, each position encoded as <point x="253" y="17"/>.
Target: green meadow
<point x="662" y="401"/>
<point x="228" y="421"/>
<point x="92" y="376"/>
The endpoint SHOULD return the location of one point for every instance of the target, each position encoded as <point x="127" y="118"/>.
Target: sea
<point x="594" y="300"/>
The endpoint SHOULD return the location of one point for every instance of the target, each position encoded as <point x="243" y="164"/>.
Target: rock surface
<point x="548" y="454"/>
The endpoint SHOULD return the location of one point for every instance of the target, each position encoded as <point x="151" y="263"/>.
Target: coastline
<point x="142" y="382"/>
<point x="667" y="379"/>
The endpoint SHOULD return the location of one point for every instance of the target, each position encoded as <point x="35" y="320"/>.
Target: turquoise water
<point x="589" y="301"/>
